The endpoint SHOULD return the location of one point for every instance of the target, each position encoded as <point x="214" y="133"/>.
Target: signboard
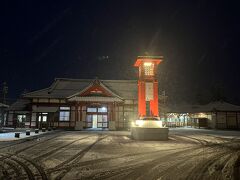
<point x="149" y="91"/>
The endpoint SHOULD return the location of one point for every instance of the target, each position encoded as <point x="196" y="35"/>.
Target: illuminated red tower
<point x="148" y="85"/>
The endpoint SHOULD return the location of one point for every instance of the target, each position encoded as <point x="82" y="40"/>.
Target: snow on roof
<point x="3" y="105"/>
<point x="213" y="106"/>
<point x="19" y="105"/>
<point x="63" y="88"/>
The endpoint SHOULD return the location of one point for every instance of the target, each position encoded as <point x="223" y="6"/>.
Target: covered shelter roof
<point x="19" y="105"/>
<point x="211" y="107"/>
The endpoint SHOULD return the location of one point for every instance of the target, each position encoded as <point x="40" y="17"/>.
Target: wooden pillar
<point x="236" y="121"/>
<point x="80" y="112"/>
<point x="30" y="124"/>
<point x="114" y="111"/>
<point x="226" y="119"/>
<point x="76" y="113"/>
<point x="216" y="121"/>
<point x="118" y="116"/>
<point x="123" y="116"/>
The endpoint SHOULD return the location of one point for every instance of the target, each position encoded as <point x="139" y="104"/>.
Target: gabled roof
<point x="63" y="88"/>
<point x="95" y="84"/>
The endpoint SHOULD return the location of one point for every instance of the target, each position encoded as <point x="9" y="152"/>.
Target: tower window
<point x="148" y="69"/>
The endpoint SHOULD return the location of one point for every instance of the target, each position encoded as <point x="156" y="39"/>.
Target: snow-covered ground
<point x="188" y="154"/>
<point x="10" y="136"/>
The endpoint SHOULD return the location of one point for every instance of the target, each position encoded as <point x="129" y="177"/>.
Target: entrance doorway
<point x="96" y="121"/>
<point x="97" y="117"/>
<point x="42" y="120"/>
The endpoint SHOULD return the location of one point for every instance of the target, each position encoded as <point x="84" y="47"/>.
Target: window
<point x="65" y="108"/>
<point x="148" y="69"/>
<point x="42" y="117"/>
<point x="102" y="109"/>
<point x="64" y="114"/>
<point x="91" y="109"/>
<point x="21" y="118"/>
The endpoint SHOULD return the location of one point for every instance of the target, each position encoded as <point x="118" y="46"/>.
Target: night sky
<point x="42" y="40"/>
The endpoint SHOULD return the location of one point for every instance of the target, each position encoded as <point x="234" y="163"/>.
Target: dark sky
<point x="42" y="40"/>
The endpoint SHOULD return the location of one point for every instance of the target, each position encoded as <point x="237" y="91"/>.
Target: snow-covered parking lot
<point x="188" y="154"/>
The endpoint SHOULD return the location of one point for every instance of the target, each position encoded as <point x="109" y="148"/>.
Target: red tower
<point x="148" y="85"/>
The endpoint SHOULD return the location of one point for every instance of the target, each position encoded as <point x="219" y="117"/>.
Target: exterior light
<point x="159" y="123"/>
<point x="202" y="115"/>
<point x="139" y="122"/>
<point x="147" y="64"/>
<point x="147" y="123"/>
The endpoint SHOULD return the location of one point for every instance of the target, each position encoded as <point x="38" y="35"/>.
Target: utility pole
<point x="5" y="91"/>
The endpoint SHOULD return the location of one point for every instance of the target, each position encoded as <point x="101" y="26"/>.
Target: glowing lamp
<point x="148" y="64"/>
<point x="139" y="123"/>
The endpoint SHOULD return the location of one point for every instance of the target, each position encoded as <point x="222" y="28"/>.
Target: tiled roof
<point x="63" y="88"/>
<point x="211" y="107"/>
<point x="19" y="105"/>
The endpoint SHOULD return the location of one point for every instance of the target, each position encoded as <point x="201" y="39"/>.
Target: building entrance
<point x="94" y="121"/>
<point x="97" y="117"/>
<point x="42" y="120"/>
<point x="97" y="121"/>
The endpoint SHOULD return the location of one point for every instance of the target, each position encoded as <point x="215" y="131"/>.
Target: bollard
<point x="36" y="131"/>
<point x="17" y="135"/>
<point x="27" y="132"/>
<point x="43" y="129"/>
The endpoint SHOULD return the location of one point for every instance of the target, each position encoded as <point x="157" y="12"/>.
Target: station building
<point x="111" y="104"/>
<point x="78" y="104"/>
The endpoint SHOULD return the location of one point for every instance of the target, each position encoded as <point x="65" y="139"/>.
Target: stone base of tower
<point x="142" y="133"/>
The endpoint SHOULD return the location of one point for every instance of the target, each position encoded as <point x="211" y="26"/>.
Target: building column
<point x="112" y="125"/>
<point x="78" y="120"/>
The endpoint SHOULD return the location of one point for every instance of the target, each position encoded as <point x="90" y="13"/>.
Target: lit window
<point x="64" y="114"/>
<point x="148" y="69"/>
<point x="64" y="108"/>
<point x="21" y="118"/>
<point x="91" y="109"/>
<point x="102" y="109"/>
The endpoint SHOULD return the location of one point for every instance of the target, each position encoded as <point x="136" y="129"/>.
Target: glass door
<point x="94" y="121"/>
<point x="102" y="121"/>
<point x="42" y="120"/>
<point x="89" y="121"/>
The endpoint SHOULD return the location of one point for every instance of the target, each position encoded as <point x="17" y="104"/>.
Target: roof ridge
<point x="72" y="79"/>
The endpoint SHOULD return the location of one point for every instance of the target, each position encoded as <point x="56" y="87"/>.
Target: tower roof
<point x="141" y="59"/>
